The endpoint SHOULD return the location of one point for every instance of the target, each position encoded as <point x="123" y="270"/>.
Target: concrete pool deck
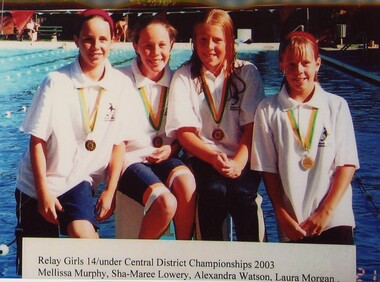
<point x="355" y="60"/>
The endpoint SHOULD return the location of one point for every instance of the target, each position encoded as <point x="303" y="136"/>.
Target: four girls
<point x="302" y="139"/>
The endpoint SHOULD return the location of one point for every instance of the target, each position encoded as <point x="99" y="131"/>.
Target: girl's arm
<point x="347" y="158"/>
<point x="341" y="180"/>
<point x="237" y="164"/>
<point x="189" y="140"/>
<point x="106" y="201"/>
<point x="287" y="222"/>
<point x="47" y="203"/>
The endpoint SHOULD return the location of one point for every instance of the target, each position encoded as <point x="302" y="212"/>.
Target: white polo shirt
<point x="276" y="150"/>
<point x="139" y="149"/>
<point x="55" y="116"/>
<point x="188" y="108"/>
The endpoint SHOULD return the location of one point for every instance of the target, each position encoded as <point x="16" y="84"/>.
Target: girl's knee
<point x="184" y="186"/>
<point x="188" y="180"/>
<point x="167" y="203"/>
<point x="82" y="229"/>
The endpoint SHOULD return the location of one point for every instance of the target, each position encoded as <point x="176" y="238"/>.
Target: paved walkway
<point x="365" y="64"/>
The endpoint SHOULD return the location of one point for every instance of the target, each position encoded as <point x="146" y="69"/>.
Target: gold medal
<point x="90" y="145"/>
<point x="307" y="162"/>
<point x="157" y="142"/>
<point x="218" y="134"/>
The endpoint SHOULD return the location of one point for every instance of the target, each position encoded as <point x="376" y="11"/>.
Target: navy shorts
<point x="140" y="178"/>
<point x="77" y="204"/>
<point x="30" y="223"/>
<point x="339" y="235"/>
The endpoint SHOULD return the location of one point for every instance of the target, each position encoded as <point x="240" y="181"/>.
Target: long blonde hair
<point x="219" y="18"/>
<point x="222" y="19"/>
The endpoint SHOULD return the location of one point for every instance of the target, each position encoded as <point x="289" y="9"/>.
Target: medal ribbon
<point x="89" y="119"/>
<point x="155" y="119"/>
<point x="217" y="115"/>
<point x="306" y="143"/>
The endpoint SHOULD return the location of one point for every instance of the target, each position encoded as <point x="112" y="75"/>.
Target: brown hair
<point x="148" y="20"/>
<point x="298" y="43"/>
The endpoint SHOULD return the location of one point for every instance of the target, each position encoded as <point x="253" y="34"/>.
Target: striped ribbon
<point x="155" y="119"/>
<point x="306" y="143"/>
<point x="89" y="119"/>
<point x="216" y="114"/>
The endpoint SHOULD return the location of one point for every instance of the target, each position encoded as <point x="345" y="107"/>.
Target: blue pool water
<point x="21" y="71"/>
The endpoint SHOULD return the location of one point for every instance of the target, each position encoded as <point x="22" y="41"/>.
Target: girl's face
<point x="300" y="71"/>
<point x="210" y="44"/>
<point x="94" y="43"/>
<point x="154" y="48"/>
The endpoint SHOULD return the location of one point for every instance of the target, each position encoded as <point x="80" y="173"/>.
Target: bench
<point x="49" y="32"/>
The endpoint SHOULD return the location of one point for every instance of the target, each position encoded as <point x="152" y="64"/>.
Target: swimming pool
<point x="22" y="70"/>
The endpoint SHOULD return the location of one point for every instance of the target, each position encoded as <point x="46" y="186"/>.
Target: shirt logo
<point x="110" y="116"/>
<point x="322" y="139"/>
<point x="234" y="107"/>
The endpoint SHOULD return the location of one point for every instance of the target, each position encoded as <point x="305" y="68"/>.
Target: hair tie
<point x="101" y="13"/>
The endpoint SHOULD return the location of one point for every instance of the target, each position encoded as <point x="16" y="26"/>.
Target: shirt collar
<point x="288" y="103"/>
<point x="80" y="80"/>
<point x="209" y="75"/>
<point x="142" y="80"/>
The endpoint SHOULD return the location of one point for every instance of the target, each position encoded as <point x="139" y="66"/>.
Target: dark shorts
<point x="77" y="204"/>
<point x="141" y="178"/>
<point x="219" y="196"/>
<point x="30" y="223"/>
<point x="340" y="235"/>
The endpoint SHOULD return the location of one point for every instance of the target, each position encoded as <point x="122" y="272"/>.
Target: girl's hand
<point x="105" y="205"/>
<point x="219" y="162"/>
<point x="289" y="226"/>
<point x="232" y="170"/>
<point x="316" y="223"/>
<point x="160" y="154"/>
<point x="48" y="205"/>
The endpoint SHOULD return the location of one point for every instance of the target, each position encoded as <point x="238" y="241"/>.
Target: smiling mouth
<point x="300" y="79"/>
<point x="210" y="56"/>
<point x="156" y="62"/>
<point x="97" y="55"/>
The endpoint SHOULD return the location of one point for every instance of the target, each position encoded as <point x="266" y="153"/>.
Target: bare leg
<point x="184" y="190"/>
<point x="82" y="229"/>
<point x="158" y="217"/>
